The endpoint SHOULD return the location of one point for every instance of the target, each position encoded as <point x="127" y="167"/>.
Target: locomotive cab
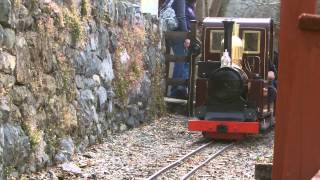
<point x="233" y="101"/>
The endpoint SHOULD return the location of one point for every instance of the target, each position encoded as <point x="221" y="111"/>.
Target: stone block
<point x="106" y="70"/>
<point x="1" y="35"/>
<point x="28" y="110"/>
<point x="9" y="38"/>
<point x="263" y="171"/>
<point x="7" y="63"/>
<point x="15" y="115"/>
<point x="16" y="145"/>
<point x="7" y="81"/>
<point x="92" y="64"/>
<point x="132" y="122"/>
<point x="23" y="18"/>
<point x="4" y="110"/>
<point x="5" y="12"/>
<point x="79" y="82"/>
<point x="102" y="98"/>
<point x="69" y="117"/>
<point x="67" y="146"/>
<point x="48" y="84"/>
<point x="19" y="94"/>
<point x="23" y="68"/>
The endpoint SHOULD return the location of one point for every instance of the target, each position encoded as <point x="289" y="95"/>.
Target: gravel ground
<point x="138" y="153"/>
<point x="239" y="161"/>
<point x="192" y="162"/>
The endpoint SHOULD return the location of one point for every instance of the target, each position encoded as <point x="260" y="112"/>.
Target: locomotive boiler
<point x="229" y="92"/>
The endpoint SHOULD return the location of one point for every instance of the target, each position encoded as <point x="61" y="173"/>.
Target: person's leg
<point x="185" y="71"/>
<point x="179" y="7"/>
<point x="272" y="94"/>
<point x="180" y="70"/>
<point x="178" y="50"/>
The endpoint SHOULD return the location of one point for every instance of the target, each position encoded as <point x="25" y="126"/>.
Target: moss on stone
<point x="34" y="3"/>
<point x="33" y="133"/>
<point x="158" y="107"/>
<point x="120" y="83"/>
<point x="73" y="22"/>
<point x="8" y="170"/>
<point x="16" y="4"/>
<point x="84" y="8"/>
<point x="51" y="138"/>
<point x="35" y="137"/>
<point x="128" y="74"/>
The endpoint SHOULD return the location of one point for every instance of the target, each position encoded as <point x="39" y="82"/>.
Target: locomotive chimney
<point x="228" y="28"/>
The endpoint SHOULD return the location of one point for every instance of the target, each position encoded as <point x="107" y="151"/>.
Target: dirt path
<point x="138" y="153"/>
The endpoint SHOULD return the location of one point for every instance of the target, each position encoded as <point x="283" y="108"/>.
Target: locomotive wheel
<point x="273" y="121"/>
<point x="266" y="125"/>
<point x="206" y="135"/>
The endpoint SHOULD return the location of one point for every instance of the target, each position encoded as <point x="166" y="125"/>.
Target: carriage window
<point x="216" y="37"/>
<point x="251" y="40"/>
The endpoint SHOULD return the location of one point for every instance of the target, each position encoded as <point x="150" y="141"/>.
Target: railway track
<point x="210" y="155"/>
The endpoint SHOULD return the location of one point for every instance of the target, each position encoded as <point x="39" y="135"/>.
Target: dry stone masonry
<point x="71" y="73"/>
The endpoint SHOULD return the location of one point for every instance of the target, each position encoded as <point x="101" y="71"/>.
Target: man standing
<point x="185" y="13"/>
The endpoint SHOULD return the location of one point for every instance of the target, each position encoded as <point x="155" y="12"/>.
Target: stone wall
<point x="208" y="8"/>
<point x="254" y="9"/>
<point x="71" y="73"/>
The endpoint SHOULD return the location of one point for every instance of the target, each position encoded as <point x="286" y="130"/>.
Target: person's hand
<point x="271" y="76"/>
<point x="186" y="43"/>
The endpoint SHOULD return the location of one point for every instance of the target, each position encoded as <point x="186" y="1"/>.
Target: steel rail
<point x="205" y="162"/>
<point x="178" y="161"/>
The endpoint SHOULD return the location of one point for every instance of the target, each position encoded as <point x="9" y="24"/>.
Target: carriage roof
<point x="243" y="21"/>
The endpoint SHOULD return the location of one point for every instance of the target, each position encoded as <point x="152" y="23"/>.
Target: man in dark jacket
<point x="190" y="12"/>
<point x="184" y="13"/>
<point x="272" y="71"/>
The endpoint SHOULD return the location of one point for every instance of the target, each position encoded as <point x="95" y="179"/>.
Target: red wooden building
<point x="297" y="141"/>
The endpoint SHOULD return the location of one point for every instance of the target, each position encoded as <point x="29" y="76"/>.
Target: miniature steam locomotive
<point x="228" y="89"/>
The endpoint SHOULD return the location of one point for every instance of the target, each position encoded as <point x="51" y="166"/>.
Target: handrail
<point x="173" y="58"/>
<point x="309" y="22"/>
<point x="171" y="35"/>
<point x="171" y="81"/>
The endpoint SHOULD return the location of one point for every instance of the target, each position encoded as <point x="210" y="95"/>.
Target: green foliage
<point x="84" y="8"/>
<point x="135" y="69"/>
<point x="34" y="3"/>
<point x="8" y="170"/>
<point x="51" y="138"/>
<point x="33" y="134"/>
<point x="73" y="22"/>
<point x="121" y="83"/>
<point x="158" y="107"/>
<point x="68" y="83"/>
<point x="125" y="79"/>
<point x="35" y="138"/>
<point x="16" y="4"/>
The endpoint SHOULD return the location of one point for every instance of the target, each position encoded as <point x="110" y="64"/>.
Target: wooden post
<point x="192" y="71"/>
<point x="297" y="147"/>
